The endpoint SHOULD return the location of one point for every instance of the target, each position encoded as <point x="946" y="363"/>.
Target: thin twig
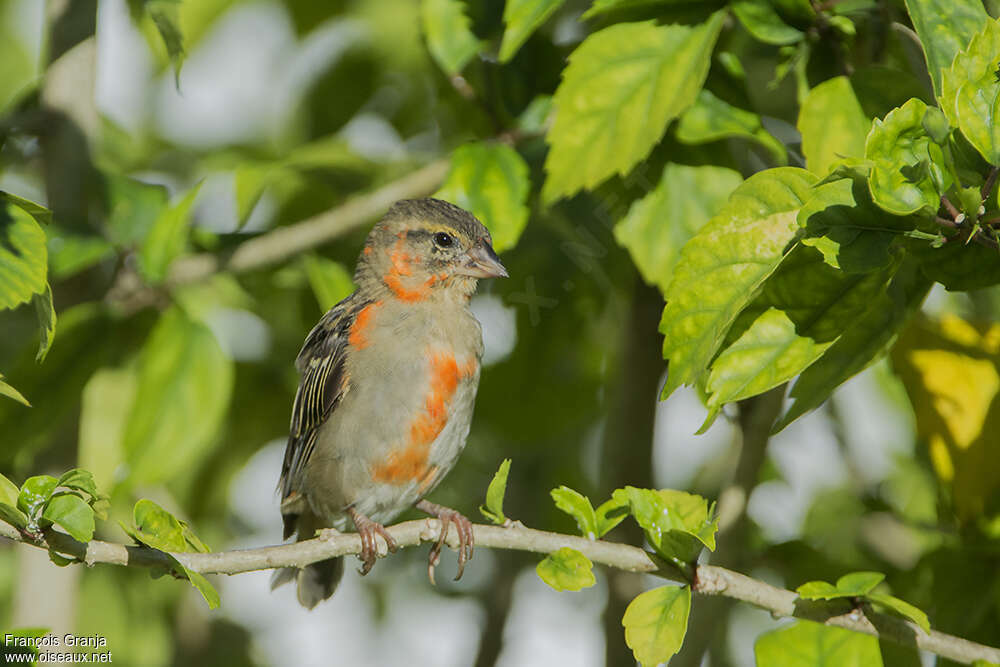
<point x="955" y="214"/>
<point x="991" y="181"/>
<point x="707" y="580"/>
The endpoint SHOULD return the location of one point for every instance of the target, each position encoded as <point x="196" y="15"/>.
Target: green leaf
<point x="711" y="119"/>
<point x="909" y="170"/>
<point x="135" y="207"/>
<point x="495" y="493"/>
<point x="167" y="238"/>
<point x="972" y="92"/>
<point x="206" y="589"/>
<point x="566" y="570"/>
<point x="522" y="17"/>
<point x="193" y="542"/>
<point x="13" y="516"/>
<point x="855" y="584"/>
<point x="609" y="514"/>
<point x="72" y="513"/>
<point x="832" y="125"/>
<point x="10" y="392"/>
<point x="35" y="492"/>
<point x="764" y="23"/>
<point x="23" y="255"/>
<point x="657" y="226"/>
<point x="184" y="383"/>
<point x="534" y="119"/>
<point x="156" y="527"/>
<point x="249" y="182"/>
<point x="867" y="339"/>
<point x="656" y="622"/>
<point x="42" y="215"/>
<point x="957" y="266"/>
<point x="490" y="180"/>
<point x="577" y="506"/>
<point x="818" y="590"/>
<point x="622" y="86"/>
<point x="8" y="491"/>
<point x="165" y="15"/>
<point x="808" y="644"/>
<point x="106" y="402"/>
<point x="723" y="266"/>
<point x="676" y="523"/>
<point x="901" y="608"/>
<point x="852" y="234"/>
<point x="8" y="504"/>
<point x="945" y="27"/>
<point x="70" y="254"/>
<point x="81" y="480"/>
<point x="46" y="321"/>
<point x="330" y="281"/>
<point x="449" y="38"/>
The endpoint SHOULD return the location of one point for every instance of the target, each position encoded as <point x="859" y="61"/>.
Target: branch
<point x="130" y="294"/>
<point x="708" y="579"/>
<point x="284" y="242"/>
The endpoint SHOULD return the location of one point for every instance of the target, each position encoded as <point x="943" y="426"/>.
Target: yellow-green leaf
<point x="902" y="608"/>
<point x="951" y="371"/>
<point x="723" y="266"/>
<point x="656" y="622"/>
<point x="832" y="125"/>
<point x="522" y="17"/>
<point x="10" y="392"/>
<point x="495" y="493"/>
<point x="23" y="255"/>
<point x="945" y="27"/>
<point x="184" y="383"/>
<point x="622" y="86"/>
<point x="972" y="92"/>
<point x="808" y="644"/>
<point x="46" y="313"/>
<point x="762" y="21"/>
<point x="711" y="119"/>
<point x="167" y="238"/>
<point x="73" y="514"/>
<point x="803" y="309"/>
<point x="491" y="181"/>
<point x="909" y="171"/>
<point x="449" y="38"/>
<point x="657" y="226"/>
<point x="864" y="341"/>
<point x="566" y="570"/>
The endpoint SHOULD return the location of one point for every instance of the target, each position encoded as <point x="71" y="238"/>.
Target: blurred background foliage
<point x="164" y="134"/>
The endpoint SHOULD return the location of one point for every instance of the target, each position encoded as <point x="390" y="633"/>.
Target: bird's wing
<point x="321" y="364"/>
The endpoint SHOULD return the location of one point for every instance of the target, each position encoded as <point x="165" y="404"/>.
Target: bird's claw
<point x="466" y="537"/>
<point x="367" y="530"/>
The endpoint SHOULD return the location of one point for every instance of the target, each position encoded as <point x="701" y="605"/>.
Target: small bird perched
<point x="389" y="378"/>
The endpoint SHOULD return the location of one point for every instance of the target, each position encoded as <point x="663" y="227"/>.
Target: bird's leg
<point x="367" y="529"/>
<point x="465" y="536"/>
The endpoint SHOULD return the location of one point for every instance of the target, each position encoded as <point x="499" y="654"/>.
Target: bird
<point x="388" y="381"/>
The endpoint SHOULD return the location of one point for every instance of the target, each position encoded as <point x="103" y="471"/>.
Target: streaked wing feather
<point x="321" y="363"/>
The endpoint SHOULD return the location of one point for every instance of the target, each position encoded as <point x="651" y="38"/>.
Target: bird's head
<point x="426" y="249"/>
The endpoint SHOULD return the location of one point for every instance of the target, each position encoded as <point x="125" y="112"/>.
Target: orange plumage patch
<point x="410" y="462"/>
<point x="400" y="267"/>
<point x="404" y="293"/>
<point x="357" y="336"/>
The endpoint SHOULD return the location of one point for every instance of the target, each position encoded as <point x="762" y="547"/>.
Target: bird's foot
<point x="466" y="539"/>
<point x="368" y="529"/>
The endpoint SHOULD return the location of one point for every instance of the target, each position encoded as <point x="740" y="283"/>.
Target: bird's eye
<point x="443" y="240"/>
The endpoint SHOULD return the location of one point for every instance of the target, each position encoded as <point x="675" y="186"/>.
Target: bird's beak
<point x="482" y="262"/>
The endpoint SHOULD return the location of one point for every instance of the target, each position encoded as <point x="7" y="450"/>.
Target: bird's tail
<point x="316" y="582"/>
